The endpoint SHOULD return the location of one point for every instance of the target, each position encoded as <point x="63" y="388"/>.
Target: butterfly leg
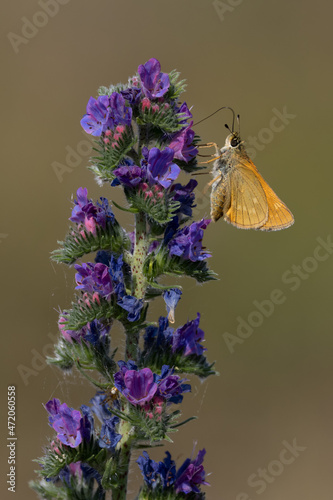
<point x="210" y="145"/>
<point x="210" y="183"/>
<point x="210" y="161"/>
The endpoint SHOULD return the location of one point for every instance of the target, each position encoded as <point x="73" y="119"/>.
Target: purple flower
<point x="154" y="83"/>
<point x="66" y="422"/>
<point x="187" y="338"/>
<point x="87" y="423"/>
<point x="130" y="175"/>
<point x="185" y="196"/>
<point x="88" y="215"/>
<point x="93" y="278"/>
<point x="187" y="242"/>
<point x="138" y="387"/>
<point x="170" y="386"/>
<point x="171" y="298"/>
<point x="191" y="475"/>
<point x="132" y="95"/>
<point x="182" y="144"/>
<point x="132" y="305"/>
<point x="120" y="114"/>
<point x="97" y="119"/>
<point x="160" y="167"/>
<point x="184" y="110"/>
<point x="106" y="113"/>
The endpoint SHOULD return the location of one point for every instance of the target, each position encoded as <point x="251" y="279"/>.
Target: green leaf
<point x="85" y="311"/>
<point x="164" y="120"/>
<point x="161" y="263"/>
<point x="176" y="87"/>
<point x="159" y="210"/>
<point x="79" y="243"/>
<point x="85" y="355"/>
<point x="108" y="157"/>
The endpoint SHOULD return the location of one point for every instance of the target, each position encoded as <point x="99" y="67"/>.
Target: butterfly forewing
<point x="248" y="204"/>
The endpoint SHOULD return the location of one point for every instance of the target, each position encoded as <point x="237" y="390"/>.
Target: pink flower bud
<point x="90" y="225"/>
<point x="145" y="103"/>
<point x="96" y="298"/>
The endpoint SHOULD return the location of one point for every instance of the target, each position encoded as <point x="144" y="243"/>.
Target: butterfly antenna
<point x="227" y="127"/>
<point x="223" y="107"/>
<point x="238" y="120"/>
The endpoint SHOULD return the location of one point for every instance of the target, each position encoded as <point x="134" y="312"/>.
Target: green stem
<point x="132" y="342"/>
<point x="124" y="447"/>
<point x="139" y="281"/>
<point x="139" y="255"/>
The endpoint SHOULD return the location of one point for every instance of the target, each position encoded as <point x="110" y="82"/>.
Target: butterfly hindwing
<point x="279" y="215"/>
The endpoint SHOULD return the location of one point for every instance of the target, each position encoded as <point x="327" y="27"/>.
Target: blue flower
<point x="161" y="335"/>
<point x="167" y="471"/>
<point x="149" y="470"/>
<point x="171" y="298"/>
<point x="186" y="339"/>
<point x="132" y="305"/>
<point x="154" y="83"/>
<point x="96" y="333"/>
<point x="188" y="479"/>
<point x="191" y="475"/>
<point x="185" y="196"/>
<point x="160" y="167"/>
<point x="109" y="438"/>
<point x="187" y="242"/>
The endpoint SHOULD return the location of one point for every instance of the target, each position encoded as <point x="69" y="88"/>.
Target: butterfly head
<point x="233" y="141"/>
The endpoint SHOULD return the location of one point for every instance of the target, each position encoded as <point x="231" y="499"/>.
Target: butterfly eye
<point x="234" y="142"/>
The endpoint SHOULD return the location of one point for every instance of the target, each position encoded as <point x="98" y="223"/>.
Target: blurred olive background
<point x="257" y="57"/>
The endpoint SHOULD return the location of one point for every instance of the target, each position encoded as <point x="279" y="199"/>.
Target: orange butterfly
<point x="240" y="194"/>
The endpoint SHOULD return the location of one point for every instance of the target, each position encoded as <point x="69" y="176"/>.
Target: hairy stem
<point x="139" y="255"/>
<point x="139" y="280"/>
<point x="124" y="446"/>
<point x="132" y="342"/>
